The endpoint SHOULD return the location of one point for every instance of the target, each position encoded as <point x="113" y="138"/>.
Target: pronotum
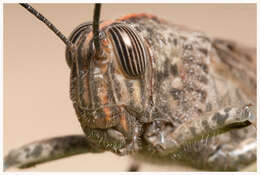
<point x="36" y="102"/>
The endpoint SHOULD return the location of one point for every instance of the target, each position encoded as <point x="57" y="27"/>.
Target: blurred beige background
<point x="36" y="77"/>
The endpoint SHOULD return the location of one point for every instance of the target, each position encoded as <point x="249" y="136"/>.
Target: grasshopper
<point x="157" y="91"/>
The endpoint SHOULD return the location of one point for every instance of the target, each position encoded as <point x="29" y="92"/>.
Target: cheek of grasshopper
<point x="159" y="92"/>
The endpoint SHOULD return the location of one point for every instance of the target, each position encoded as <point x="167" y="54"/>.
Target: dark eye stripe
<point x="138" y="49"/>
<point x="137" y="63"/>
<point x="141" y="49"/>
<point x="122" y="49"/>
<point x="117" y="43"/>
<point x="129" y="49"/>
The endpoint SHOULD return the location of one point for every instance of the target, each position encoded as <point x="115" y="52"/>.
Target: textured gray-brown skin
<point x="193" y="88"/>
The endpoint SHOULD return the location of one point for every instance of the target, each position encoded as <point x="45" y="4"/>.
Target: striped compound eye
<point x="129" y="49"/>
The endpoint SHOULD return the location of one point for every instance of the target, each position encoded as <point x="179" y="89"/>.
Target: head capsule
<point x="117" y="76"/>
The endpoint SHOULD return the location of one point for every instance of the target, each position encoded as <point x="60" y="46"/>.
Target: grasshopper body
<point x="158" y="91"/>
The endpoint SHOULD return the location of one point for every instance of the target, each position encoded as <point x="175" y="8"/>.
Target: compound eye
<point x="129" y="49"/>
<point x="75" y="36"/>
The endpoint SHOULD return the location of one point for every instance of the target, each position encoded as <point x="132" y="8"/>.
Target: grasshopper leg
<point x="229" y="151"/>
<point x="175" y="143"/>
<point x="48" y="149"/>
<point x="134" y="167"/>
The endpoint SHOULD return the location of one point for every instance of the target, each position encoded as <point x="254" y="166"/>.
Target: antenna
<point x="96" y="26"/>
<point x="68" y="43"/>
<point x="48" y="23"/>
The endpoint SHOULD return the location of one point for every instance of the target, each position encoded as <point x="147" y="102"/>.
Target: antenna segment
<point x="47" y="22"/>
<point x="96" y="26"/>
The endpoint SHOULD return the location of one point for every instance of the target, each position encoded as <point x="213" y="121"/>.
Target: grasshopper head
<point x="107" y="84"/>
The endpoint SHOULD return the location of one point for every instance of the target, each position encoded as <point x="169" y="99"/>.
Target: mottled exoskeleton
<point x="161" y="92"/>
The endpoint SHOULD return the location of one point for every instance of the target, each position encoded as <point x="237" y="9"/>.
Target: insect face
<point x="106" y="84"/>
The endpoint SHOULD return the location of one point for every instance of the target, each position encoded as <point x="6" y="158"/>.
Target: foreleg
<point x="229" y="151"/>
<point x="174" y="142"/>
<point x="47" y="150"/>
